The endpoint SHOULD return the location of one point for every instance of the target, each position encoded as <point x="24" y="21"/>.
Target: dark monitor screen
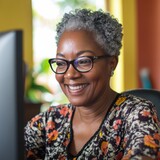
<point x="11" y="96"/>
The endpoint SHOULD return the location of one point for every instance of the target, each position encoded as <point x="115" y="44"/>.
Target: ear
<point x="113" y="63"/>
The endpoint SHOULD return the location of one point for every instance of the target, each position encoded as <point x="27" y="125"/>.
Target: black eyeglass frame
<point x="92" y="58"/>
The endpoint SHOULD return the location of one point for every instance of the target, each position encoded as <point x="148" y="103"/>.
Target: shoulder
<point x="131" y="103"/>
<point x="54" y="113"/>
<point x="132" y="100"/>
<point x="141" y="125"/>
<point x="132" y="107"/>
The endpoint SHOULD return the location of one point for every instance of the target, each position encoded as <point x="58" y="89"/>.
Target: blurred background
<point x="140" y="55"/>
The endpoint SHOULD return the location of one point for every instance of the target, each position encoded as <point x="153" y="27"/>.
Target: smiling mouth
<point x="76" y="88"/>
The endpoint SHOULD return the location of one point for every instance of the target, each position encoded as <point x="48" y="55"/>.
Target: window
<point x="46" y="15"/>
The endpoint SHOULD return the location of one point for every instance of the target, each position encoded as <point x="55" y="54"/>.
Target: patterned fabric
<point x="129" y="130"/>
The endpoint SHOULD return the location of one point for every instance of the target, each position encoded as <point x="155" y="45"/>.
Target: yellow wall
<point x="125" y="75"/>
<point x="17" y="14"/>
<point x="130" y="44"/>
<point x="115" y="8"/>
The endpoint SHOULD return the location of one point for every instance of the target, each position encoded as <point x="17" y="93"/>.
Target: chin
<point x="75" y="101"/>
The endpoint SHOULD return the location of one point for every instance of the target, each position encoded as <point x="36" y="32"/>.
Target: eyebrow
<point x="78" y="53"/>
<point x="60" y="54"/>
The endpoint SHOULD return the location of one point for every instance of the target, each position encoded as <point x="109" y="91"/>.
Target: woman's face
<point x="83" y="89"/>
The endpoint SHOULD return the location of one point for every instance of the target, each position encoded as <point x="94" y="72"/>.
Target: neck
<point x="96" y="112"/>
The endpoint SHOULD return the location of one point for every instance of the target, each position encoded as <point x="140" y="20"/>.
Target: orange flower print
<point x="64" y="111"/>
<point x="104" y="147"/>
<point x="61" y="157"/>
<point x="35" y="119"/>
<point x="149" y="141"/>
<point x="53" y="135"/>
<point x="117" y="123"/>
<point x="120" y="100"/>
<point x="50" y="125"/>
<point x="155" y="118"/>
<point x="145" y="113"/>
<point x="118" y="139"/>
<point x="156" y="136"/>
<point x="127" y="156"/>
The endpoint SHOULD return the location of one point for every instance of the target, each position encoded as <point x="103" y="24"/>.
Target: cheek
<point x="98" y="78"/>
<point x="100" y="72"/>
<point x="59" y="78"/>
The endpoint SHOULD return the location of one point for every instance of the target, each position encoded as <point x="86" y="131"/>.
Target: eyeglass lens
<point x="82" y="64"/>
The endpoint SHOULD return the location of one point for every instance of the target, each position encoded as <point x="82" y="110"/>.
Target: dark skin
<point x="89" y="92"/>
<point x="91" y="104"/>
<point x="85" y="124"/>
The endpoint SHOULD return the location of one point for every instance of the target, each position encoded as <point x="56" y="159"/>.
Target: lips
<point x="76" y="88"/>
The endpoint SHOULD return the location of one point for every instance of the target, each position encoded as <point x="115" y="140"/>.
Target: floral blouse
<point x="129" y="130"/>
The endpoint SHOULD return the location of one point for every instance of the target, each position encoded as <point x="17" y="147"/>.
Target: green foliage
<point x="34" y="92"/>
<point x="75" y="4"/>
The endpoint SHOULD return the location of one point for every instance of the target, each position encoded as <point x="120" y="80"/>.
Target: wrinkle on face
<point x="96" y="81"/>
<point x="70" y="47"/>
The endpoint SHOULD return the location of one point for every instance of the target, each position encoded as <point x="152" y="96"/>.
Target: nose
<point x="72" y="73"/>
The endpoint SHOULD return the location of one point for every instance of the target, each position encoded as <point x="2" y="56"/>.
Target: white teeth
<point x="76" y="87"/>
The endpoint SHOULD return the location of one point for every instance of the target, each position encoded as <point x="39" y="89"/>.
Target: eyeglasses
<point x="81" y="64"/>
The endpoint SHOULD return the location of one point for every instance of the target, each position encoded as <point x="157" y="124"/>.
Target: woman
<point x="99" y="123"/>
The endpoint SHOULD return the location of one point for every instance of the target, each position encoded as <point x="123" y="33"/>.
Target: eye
<point x="60" y="63"/>
<point x="84" y="61"/>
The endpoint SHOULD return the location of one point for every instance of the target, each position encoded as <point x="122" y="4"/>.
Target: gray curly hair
<point x="107" y="30"/>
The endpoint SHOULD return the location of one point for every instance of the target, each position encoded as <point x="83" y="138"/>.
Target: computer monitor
<point x="11" y="96"/>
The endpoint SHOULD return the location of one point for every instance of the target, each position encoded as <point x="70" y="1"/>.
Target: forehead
<point x="77" y="40"/>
